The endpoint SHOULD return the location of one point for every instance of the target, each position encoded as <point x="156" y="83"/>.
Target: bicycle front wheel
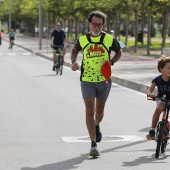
<point x="12" y="43"/>
<point x="163" y="146"/>
<point x="61" y="66"/>
<point x="159" y="140"/>
<point x="165" y="141"/>
<point x="57" y="69"/>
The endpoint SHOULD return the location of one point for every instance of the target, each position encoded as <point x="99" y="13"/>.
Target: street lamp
<point x="0" y="21"/>
<point x="47" y="30"/>
<point x="40" y="23"/>
<point x="9" y="14"/>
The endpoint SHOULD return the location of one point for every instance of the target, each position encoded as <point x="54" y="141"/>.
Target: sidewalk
<point x="135" y="72"/>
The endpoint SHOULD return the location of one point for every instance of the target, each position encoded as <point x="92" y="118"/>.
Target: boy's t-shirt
<point x="163" y="87"/>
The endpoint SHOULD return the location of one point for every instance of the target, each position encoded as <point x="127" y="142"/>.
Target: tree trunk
<point x="136" y="31"/>
<point x="127" y="29"/>
<point x="76" y="29"/>
<point x="149" y="33"/>
<point x="142" y="26"/>
<point x="115" y="27"/>
<point x="165" y="26"/>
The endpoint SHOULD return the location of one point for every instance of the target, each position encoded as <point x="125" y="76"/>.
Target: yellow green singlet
<point x="94" y="54"/>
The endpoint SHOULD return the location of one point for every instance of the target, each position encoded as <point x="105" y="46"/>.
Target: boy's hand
<point x="151" y="95"/>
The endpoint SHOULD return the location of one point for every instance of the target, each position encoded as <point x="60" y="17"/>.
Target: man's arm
<point x="65" y="41"/>
<point x="52" y="39"/>
<point x="116" y="57"/>
<point x="74" y="54"/>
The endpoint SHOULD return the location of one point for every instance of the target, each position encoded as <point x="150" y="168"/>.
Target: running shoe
<point x="151" y="135"/>
<point x="98" y="134"/>
<point x="94" y="151"/>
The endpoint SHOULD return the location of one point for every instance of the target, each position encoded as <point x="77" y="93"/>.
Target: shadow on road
<point x="145" y="160"/>
<point x="64" y="165"/>
<point x="74" y="163"/>
<point x="145" y="129"/>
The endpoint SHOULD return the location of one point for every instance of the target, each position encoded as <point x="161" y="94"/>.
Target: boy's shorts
<point x="159" y="101"/>
<point x="99" y="90"/>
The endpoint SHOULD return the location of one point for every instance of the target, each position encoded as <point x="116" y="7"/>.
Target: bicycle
<point x="58" y="50"/>
<point x="11" y="45"/>
<point x="162" y="128"/>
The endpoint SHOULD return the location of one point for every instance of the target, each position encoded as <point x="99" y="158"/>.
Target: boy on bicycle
<point x="11" y="37"/>
<point x="1" y="32"/>
<point x="163" y="85"/>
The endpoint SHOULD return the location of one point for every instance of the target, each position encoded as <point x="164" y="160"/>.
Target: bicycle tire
<point x="57" y="69"/>
<point x="163" y="146"/>
<point x="61" y="69"/>
<point x="61" y="65"/>
<point x="11" y="45"/>
<point x="164" y="142"/>
<point x="159" y="140"/>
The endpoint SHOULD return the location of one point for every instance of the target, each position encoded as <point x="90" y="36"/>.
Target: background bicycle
<point x="11" y="44"/>
<point x="162" y="128"/>
<point x="58" y="50"/>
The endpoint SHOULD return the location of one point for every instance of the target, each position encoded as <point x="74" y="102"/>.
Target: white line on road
<point x="26" y="54"/>
<point x="12" y="54"/>
<point x="126" y="88"/>
<point x="112" y="138"/>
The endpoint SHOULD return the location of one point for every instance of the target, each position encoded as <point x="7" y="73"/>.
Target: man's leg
<point x="100" y="104"/>
<point x="102" y="94"/>
<point x="64" y="53"/>
<point x="90" y="122"/>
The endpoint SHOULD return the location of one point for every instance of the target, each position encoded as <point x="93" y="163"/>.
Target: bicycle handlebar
<point x="163" y="98"/>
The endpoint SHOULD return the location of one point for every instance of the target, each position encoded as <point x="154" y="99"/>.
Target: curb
<point x="130" y="84"/>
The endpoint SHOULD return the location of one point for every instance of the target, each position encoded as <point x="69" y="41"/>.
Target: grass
<point x="155" y="46"/>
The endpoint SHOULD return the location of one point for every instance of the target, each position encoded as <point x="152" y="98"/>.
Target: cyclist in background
<point x="58" y="37"/>
<point x="1" y="33"/>
<point x="163" y="85"/>
<point x="12" y="36"/>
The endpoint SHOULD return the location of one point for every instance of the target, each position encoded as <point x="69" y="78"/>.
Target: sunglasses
<point x="96" y="25"/>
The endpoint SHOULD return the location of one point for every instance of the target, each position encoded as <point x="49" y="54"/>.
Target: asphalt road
<point x="43" y="127"/>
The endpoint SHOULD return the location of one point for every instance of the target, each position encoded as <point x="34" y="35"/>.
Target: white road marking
<point x="12" y="54"/>
<point x="126" y="88"/>
<point x="112" y="138"/>
<point x="26" y="54"/>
